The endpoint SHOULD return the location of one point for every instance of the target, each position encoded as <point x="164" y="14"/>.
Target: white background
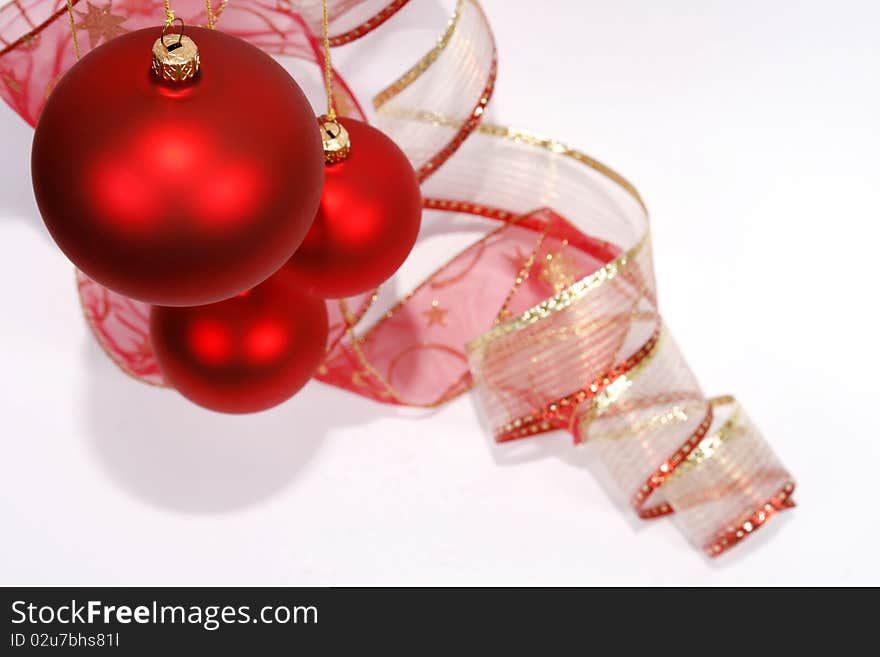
<point x="751" y="129"/>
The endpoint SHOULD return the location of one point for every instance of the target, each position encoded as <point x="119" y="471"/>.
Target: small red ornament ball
<point x="371" y="209"/>
<point x="177" y="193"/>
<point x="245" y="354"/>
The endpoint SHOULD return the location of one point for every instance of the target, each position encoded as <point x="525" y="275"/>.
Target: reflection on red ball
<point x="245" y="354"/>
<point x="368" y="222"/>
<point x="177" y="193"/>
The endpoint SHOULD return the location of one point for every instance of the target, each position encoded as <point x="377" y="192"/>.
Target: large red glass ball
<point x="369" y="218"/>
<point x="177" y="194"/>
<point x="245" y="354"/>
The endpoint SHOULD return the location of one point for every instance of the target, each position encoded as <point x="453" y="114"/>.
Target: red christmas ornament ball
<point x="244" y="354"/>
<point x="177" y="193"/>
<point x="368" y="221"/>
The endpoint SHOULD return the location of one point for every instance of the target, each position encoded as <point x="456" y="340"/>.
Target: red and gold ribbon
<point x="550" y="313"/>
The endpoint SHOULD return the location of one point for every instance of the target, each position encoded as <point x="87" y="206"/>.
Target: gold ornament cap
<point x="175" y="57"/>
<point x="335" y="138"/>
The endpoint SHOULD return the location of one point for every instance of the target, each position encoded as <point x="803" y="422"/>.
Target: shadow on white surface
<point x="170" y="453"/>
<point x="16" y="193"/>
<point x="560" y="445"/>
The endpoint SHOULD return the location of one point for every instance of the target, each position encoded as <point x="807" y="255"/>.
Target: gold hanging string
<point x="328" y="67"/>
<point x="73" y="29"/>
<point x="209" y="9"/>
<point x="169" y="13"/>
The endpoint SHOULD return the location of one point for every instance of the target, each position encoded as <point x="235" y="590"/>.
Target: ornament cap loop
<point x="177" y="61"/>
<point x="334" y="136"/>
<point x="173" y="46"/>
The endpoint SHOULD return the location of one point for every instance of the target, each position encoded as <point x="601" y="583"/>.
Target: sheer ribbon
<point x="551" y="315"/>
